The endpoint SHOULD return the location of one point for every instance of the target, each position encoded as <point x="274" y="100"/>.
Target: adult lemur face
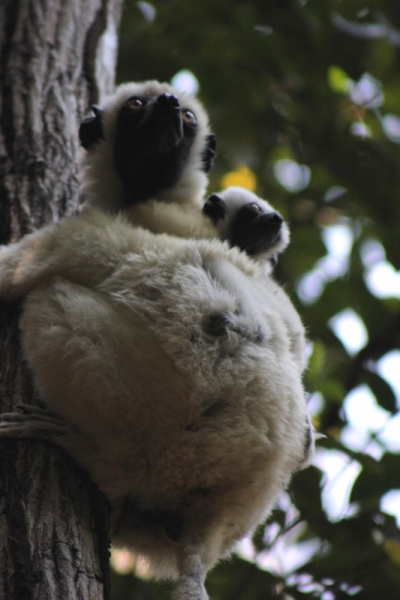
<point x="160" y="123"/>
<point x="150" y="140"/>
<point x="152" y="144"/>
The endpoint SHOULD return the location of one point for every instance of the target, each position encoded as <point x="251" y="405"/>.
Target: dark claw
<point x="218" y="324"/>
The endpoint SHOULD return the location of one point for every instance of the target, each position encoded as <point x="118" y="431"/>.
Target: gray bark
<point x="56" y="59"/>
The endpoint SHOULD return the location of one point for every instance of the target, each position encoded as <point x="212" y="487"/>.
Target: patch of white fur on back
<point x="102" y="186"/>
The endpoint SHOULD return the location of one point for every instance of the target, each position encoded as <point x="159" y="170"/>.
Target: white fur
<point x="161" y="411"/>
<point x="175" y="420"/>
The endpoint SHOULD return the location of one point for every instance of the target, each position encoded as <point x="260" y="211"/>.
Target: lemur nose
<point x="277" y="218"/>
<point x="168" y="100"/>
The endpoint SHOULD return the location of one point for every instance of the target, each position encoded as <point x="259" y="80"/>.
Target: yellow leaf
<point x="334" y="432"/>
<point x="316" y="422"/>
<point x="392" y="549"/>
<point x="242" y="177"/>
<point x="338" y="81"/>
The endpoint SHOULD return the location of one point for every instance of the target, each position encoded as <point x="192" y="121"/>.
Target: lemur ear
<point x="215" y="208"/>
<point x="209" y="152"/>
<point x="91" y="129"/>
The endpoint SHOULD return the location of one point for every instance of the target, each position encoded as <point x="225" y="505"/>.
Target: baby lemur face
<point x="155" y="134"/>
<point x="248" y="222"/>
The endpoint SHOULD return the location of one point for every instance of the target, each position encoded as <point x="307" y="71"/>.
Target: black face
<point x="255" y="230"/>
<point x="252" y="229"/>
<point x="152" y="144"/>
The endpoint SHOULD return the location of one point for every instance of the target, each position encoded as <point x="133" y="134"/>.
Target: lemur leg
<point x="190" y="584"/>
<point x="84" y="249"/>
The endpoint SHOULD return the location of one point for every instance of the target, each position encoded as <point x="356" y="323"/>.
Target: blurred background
<point x="304" y="99"/>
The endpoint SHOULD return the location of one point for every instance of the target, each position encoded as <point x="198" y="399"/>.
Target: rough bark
<point x="56" y="58"/>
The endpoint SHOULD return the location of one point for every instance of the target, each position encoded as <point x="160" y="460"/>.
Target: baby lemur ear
<point x="91" y="129"/>
<point x="209" y="153"/>
<point x="215" y="208"/>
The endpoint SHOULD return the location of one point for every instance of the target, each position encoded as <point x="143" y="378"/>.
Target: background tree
<point x="305" y="94"/>
<point x="56" y="58"/>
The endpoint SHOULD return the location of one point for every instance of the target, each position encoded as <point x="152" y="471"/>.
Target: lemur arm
<point x="84" y="249"/>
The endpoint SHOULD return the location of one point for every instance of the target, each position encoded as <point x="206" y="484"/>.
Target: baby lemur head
<point x="148" y="141"/>
<point x="248" y="222"/>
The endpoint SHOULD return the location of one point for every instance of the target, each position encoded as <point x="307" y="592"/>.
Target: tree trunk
<point x="56" y="58"/>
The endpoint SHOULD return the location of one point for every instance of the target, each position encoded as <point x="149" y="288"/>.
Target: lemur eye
<point x="254" y="207"/>
<point x="189" y="116"/>
<point x="135" y="103"/>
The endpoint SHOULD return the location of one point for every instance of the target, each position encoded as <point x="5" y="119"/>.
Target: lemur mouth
<point x="262" y="245"/>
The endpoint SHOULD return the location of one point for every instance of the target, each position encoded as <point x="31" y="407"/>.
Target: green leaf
<point x="305" y="490"/>
<point x="382" y="391"/>
<point x="338" y="80"/>
<point x="316" y="363"/>
<point x="376" y="479"/>
<point x="368" y="489"/>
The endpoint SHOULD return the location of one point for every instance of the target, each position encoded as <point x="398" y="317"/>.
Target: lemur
<point x="169" y="360"/>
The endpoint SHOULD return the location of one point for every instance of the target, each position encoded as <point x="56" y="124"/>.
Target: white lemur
<point x="170" y="366"/>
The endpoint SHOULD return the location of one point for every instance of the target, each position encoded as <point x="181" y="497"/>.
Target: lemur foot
<point x="32" y="422"/>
